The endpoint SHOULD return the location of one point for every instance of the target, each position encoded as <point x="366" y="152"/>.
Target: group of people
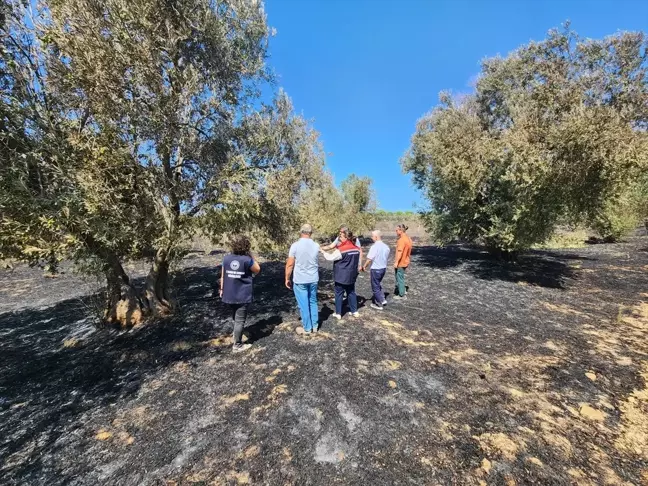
<point x="302" y="275"/>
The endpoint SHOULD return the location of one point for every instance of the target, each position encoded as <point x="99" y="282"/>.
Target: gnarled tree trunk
<point x="156" y="292"/>
<point x="123" y="306"/>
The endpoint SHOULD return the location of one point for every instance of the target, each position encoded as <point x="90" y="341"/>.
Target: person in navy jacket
<point x="345" y="273"/>
<point x="236" y="285"/>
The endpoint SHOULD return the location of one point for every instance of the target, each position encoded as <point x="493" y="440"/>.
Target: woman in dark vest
<point x="345" y="273"/>
<point x="236" y="285"/>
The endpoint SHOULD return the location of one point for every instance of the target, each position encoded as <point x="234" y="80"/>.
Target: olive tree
<point x="131" y="125"/>
<point x="557" y="129"/>
<point x="63" y="192"/>
<point x="327" y="207"/>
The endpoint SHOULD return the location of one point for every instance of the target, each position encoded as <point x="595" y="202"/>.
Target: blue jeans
<point x="340" y="289"/>
<point x="306" y="295"/>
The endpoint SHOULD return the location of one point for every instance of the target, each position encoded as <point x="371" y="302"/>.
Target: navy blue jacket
<point x="237" y="279"/>
<point x="345" y="271"/>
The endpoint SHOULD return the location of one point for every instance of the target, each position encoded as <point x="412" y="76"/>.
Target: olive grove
<point x="127" y="127"/>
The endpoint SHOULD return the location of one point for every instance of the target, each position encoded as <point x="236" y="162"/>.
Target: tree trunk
<point x="123" y="307"/>
<point x="156" y="293"/>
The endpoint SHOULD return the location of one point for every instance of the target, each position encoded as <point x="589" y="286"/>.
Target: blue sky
<point x="364" y="71"/>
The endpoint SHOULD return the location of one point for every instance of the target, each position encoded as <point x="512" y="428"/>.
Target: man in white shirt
<point x="377" y="258"/>
<point x="303" y="266"/>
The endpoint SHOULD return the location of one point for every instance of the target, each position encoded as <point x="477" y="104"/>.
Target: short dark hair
<point x="347" y="233"/>
<point x="402" y="227"/>
<point x="240" y="245"/>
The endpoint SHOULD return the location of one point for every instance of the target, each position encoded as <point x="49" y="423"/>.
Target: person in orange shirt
<point x="401" y="260"/>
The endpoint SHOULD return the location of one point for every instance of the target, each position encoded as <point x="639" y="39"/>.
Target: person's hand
<point x="288" y="284"/>
<point x="220" y="293"/>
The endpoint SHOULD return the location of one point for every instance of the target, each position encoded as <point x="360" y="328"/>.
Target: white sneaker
<point x="337" y="316"/>
<point x="384" y="303"/>
<point x="355" y="314"/>
<point x="240" y="348"/>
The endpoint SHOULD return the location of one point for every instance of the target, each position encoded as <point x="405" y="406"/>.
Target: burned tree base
<point x="126" y="311"/>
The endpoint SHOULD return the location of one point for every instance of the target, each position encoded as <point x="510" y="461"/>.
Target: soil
<point x="533" y="372"/>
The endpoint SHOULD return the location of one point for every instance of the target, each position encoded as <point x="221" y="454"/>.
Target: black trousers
<point x="239" y="315"/>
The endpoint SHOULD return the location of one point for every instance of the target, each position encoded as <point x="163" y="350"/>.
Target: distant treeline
<point x="382" y="215"/>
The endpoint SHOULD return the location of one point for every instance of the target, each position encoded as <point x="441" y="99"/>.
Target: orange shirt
<point x="403" y="251"/>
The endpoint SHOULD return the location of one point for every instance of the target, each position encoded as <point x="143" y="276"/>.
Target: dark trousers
<point x="340" y="290"/>
<point x="376" y="285"/>
<point x="239" y="315"/>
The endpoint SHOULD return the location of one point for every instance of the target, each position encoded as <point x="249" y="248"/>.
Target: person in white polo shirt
<point x="377" y="258"/>
<point x="303" y="266"/>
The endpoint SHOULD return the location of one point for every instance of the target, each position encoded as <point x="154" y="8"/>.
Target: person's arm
<point x="255" y="268"/>
<point x="399" y="252"/>
<point x="367" y="263"/>
<point x="330" y="246"/>
<point x="221" y="281"/>
<point x="370" y="257"/>
<point x="290" y="264"/>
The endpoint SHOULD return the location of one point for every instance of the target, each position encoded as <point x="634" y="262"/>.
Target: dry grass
<point x="566" y="238"/>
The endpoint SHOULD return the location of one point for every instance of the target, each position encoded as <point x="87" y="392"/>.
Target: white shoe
<point x="355" y="314"/>
<point x="337" y="316"/>
<point x="241" y="348"/>
<point x="384" y="303"/>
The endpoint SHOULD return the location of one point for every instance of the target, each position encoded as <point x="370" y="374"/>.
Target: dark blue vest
<point x="345" y="271"/>
<point x="237" y="279"/>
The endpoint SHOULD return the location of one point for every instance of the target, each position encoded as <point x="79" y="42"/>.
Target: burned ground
<point x="490" y="373"/>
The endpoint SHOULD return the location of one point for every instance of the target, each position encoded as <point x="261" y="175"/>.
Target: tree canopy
<point x="127" y="127"/>
<point x="554" y="131"/>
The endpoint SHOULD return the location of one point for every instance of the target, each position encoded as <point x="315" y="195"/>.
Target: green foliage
<point x="128" y="126"/>
<point x="327" y="208"/>
<point x="555" y="130"/>
<point x="168" y="84"/>
<point x="263" y="200"/>
<point x="322" y="205"/>
<point x="624" y="213"/>
<point x="616" y="220"/>
<point x="359" y="203"/>
<point x="566" y="238"/>
<point x="64" y="192"/>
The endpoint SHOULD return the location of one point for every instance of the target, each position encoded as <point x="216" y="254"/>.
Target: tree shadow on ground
<point x="541" y="268"/>
<point x="56" y="366"/>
